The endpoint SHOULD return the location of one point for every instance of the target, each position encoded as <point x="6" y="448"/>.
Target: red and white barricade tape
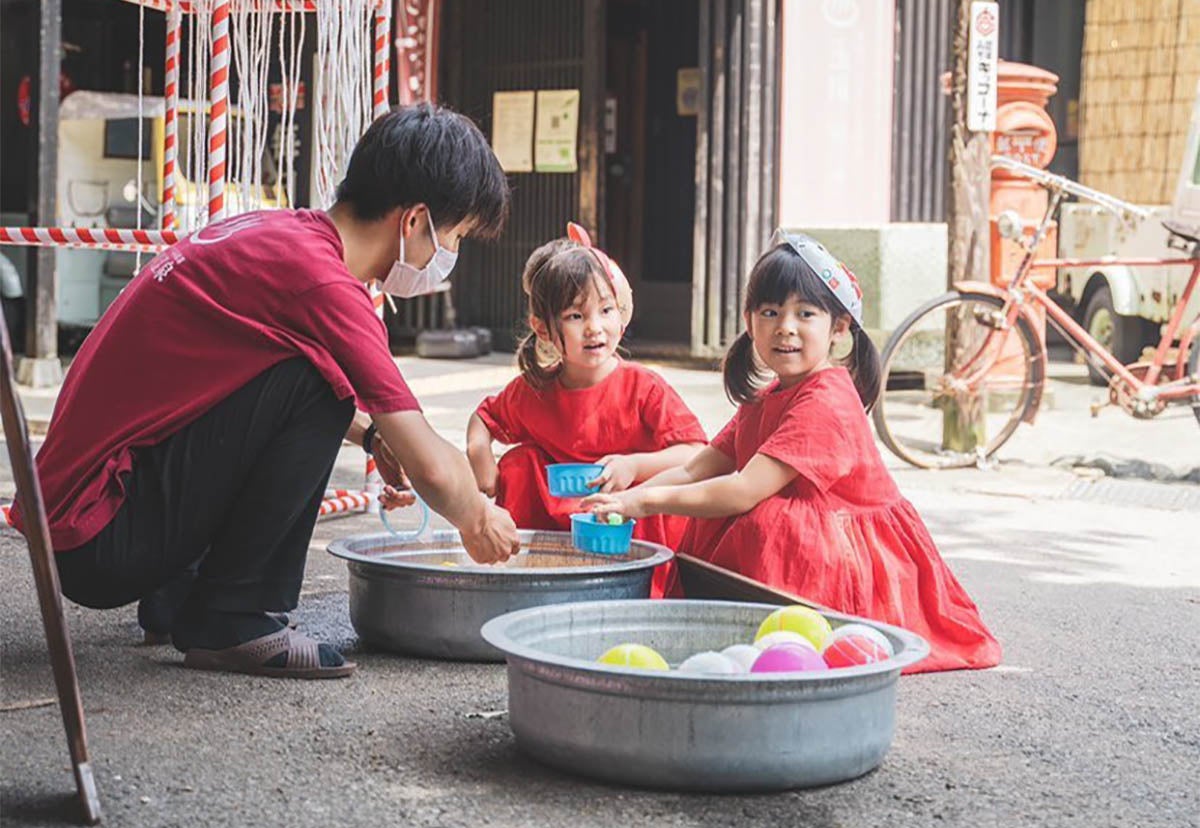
<point x="99" y="238"/>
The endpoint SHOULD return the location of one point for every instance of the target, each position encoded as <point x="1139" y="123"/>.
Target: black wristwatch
<point x="368" y="438"/>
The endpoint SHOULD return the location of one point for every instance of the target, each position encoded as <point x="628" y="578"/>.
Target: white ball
<point x="743" y="655"/>
<point x="783" y="637"/>
<point x="710" y="663"/>
<point x="865" y="631"/>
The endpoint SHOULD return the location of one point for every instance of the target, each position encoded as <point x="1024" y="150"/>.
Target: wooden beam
<point x="964" y="423"/>
<point x="591" y="118"/>
<point x="700" y="263"/>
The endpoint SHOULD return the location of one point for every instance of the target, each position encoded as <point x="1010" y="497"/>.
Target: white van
<point x="1125" y="307"/>
<point x="97" y="187"/>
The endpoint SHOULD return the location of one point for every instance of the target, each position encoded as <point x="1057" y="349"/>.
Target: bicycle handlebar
<point x="1051" y="181"/>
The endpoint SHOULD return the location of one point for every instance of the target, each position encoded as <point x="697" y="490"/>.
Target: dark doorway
<point x="650" y="136"/>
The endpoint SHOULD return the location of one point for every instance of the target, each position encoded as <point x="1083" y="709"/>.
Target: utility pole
<point x="41" y="366"/>
<point x="968" y="231"/>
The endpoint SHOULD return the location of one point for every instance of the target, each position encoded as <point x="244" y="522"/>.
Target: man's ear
<point x="408" y="219"/>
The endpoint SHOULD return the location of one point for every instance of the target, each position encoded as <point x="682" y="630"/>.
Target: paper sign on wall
<point x="512" y="130"/>
<point x="555" y="147"/>
<point x="981" y="66"/>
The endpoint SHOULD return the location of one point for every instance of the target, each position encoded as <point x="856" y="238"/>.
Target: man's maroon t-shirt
<point x="198" y="322"/>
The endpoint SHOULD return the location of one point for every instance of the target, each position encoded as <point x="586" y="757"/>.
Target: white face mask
<point x="405" y="280"/>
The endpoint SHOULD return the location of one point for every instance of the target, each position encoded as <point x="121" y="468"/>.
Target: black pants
<point x="233" y="497"/>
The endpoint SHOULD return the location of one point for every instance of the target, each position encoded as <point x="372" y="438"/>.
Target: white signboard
<point x="981" y="66"/>
<point x="512" y="130"/>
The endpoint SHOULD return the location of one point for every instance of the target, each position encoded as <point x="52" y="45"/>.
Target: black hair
<point x="779" y="274"/>
<point x="557" y="275"/>
<point x="431" y="155"/>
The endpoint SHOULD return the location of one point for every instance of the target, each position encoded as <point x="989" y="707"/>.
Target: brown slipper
<point x="303" y="658"/>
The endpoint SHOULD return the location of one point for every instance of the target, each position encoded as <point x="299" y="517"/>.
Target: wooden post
<point x="964" y="427"/>
<point x="591" y="120"/>
<point x="41" y="366"/>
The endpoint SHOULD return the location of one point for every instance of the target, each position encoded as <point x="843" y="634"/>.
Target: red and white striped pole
<point x="170" y="114"/>
<point x="382" y="63"/>
<point x="218" y="96"/>
<point x="96" y="238"/>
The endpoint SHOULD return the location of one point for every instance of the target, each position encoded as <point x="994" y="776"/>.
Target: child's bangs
<point x="575" y="274"/>
<point x="781" y="274"/>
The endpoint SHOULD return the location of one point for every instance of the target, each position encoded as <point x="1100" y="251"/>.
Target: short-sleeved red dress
<point x="840" y="533"/>
<point x="630" y="411"/>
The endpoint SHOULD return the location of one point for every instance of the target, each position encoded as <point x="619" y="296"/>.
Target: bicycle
<point x="965" y="369"/>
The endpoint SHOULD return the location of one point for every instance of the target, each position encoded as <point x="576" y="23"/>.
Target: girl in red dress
<point x="793" y="492"/>
<point x="577" y="401"/>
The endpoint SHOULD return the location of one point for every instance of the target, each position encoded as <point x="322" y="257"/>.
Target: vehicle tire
<point x="1123" y="336"/>
<point x="911" y="413"/>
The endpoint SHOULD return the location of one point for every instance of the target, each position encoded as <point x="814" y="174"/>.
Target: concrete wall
<point x="899" y="266"/>
<point x="836" y="112"/>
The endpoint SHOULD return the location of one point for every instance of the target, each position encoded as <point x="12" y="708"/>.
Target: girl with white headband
<point x="793" y="491"/>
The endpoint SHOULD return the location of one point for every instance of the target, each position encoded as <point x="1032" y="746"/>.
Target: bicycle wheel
<point x="1194" y="370"/>
<point x="941" y="409"/>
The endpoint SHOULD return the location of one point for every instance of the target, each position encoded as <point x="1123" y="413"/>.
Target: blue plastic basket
<point x="571" y="479"/>
<point x="587" y="535"/>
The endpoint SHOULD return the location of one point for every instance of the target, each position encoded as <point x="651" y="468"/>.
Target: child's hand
<point x="628" y="504"/>
<point x="620" y="472"/>
<point x="393" y="498"/>
<point x="483" y="466"/>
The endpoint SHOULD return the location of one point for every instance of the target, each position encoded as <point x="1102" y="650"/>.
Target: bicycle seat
<point x="1185" y="231"/>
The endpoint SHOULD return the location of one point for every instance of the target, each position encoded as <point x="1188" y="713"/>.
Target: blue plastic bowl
<point x="571" y="479"/>
<point x="600" y="538"/>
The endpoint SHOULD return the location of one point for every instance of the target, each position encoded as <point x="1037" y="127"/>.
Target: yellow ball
<point x="807" y="622"/>
<point x="634" y="655"/>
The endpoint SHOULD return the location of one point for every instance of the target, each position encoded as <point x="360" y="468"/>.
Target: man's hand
<point x="620" y="472"/>
<point x="483" y="466"/>
<point x="398" y="492"/>
<point x="495" y="541"/>
<point x="393" y="498"/>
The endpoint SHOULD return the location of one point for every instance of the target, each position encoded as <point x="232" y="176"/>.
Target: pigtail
<point x="532" y="360"/>
<point x="743" y="376"/>
<point x="865" y="367"/>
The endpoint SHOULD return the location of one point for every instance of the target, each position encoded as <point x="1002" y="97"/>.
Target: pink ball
<point x="788" y="658"/>
<point x="853" y="650"/>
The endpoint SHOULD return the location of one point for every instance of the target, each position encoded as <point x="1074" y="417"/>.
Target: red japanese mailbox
<point x="1024" y="132"/>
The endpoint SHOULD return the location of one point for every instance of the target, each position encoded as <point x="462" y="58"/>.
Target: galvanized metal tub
<point x="428" y="598"/>
<point x="678" y="731"/>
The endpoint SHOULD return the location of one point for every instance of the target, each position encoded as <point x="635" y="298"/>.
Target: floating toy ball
<point x="634" y="655"/>
<point x="710" y="663"/>
<point x="808" y="622"/>
<point x="615" y="520"/>
<point x="783" y="637"/>
<point x="862" y="629"/>
<point x="789" y="658"/>
<point x="744" y="655"/>
<point x="853" y="650"/>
